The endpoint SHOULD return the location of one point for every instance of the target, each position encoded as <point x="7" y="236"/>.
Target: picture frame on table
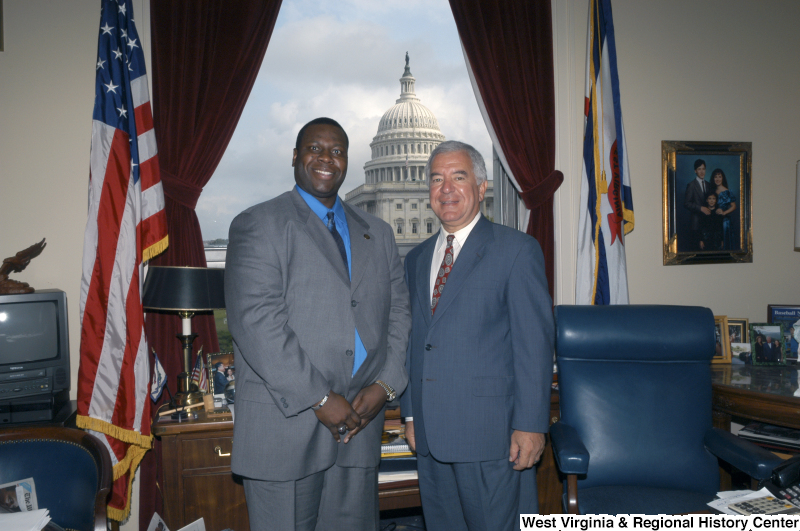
<point x="723" y="346"/>
<point x="789" y="315"/>
<point x="739" y="336"/>
<point x="690" y="235"/>
<point x="767" y="344"/>
<point x="739" y="330"/>
<point x="225" y="361"/>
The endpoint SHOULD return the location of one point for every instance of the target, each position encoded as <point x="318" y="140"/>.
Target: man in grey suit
<point x="694" y="200"/>
<point x="480" y="356"/>
<point x="319" y="314"/>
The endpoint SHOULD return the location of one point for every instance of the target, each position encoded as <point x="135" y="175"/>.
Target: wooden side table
<point x="197" y="474"/>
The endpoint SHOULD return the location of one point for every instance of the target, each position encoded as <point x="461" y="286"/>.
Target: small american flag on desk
<point x="126" y="226"/>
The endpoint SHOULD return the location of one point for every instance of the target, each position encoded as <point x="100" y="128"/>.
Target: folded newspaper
<point x="18" y="496"/>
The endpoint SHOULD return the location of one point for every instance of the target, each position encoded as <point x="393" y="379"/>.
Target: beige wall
<point x="46" y="99"/>
<point x="709" y="70"/>
<point x="724" y="70"/>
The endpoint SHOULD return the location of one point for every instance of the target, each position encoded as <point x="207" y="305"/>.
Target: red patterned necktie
<point x="444" y="270"/>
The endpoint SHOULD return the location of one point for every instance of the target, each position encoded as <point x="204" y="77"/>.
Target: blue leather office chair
<point x="71" y="471"/>
<point x="635" y="434"/>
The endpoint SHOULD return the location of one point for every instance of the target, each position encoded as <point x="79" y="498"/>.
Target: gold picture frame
<point x="227" y="361"/>
<point x="739" y="330"/>
<point x="690" y="236"/>
<point x="723" y="347"/>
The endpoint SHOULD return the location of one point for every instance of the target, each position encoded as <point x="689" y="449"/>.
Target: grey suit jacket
<point x="292" y="312"/>
<point x="481" y="366"/>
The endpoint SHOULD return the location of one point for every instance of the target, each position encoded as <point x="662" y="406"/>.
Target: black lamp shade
<point x="184" y="289"/>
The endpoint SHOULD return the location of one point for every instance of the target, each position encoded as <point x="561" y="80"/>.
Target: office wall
<point x="46" y="99"/>
<point x="724" y="70"/>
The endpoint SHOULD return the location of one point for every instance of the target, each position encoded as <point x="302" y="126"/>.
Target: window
<point x="398" y="206"/>
<point x="413" y="206"/>
<point x="413" y="228"/>
<point x="430" y="227"/>
<point x="399" y="229"/>
<point x="428" y="206"/>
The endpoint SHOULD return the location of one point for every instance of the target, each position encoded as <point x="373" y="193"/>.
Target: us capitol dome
<point x="395" y="185"/>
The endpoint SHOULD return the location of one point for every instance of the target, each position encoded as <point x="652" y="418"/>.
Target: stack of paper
<point x="25" y="521"/>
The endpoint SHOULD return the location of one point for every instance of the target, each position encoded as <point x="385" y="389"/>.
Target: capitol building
<point x="395" y="186"/>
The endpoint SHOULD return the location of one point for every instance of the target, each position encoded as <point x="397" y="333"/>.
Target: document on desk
<point x="19" y="496"/>
<point x="25" y="521"/>
<point x="735" y="496"/>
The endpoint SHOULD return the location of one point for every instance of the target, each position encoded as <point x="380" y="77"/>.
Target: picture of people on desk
<point x="767" y="344"/>
<point x="222" y="371"/>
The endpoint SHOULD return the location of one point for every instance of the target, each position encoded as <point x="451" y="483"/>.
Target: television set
<point x="34" y="356"/>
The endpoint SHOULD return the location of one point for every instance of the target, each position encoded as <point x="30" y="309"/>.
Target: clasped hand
<point x="337" y="411"/>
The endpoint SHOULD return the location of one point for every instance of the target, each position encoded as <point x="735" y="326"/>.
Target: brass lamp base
<point x="188" y="393"/>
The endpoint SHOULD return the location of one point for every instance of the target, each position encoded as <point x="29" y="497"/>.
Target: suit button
<point x="283" y="401"/>
<point x="353" y="304"/>
<point x="428" y="346"/>
<point x="349" y="352"/>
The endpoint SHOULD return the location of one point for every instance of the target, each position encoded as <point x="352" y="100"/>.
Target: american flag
<point x="126" y="225"/>
<point x="199" y="374"/>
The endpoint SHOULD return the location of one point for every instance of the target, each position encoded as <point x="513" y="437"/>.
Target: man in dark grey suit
<point x="480" y="356"/>
<point x="694" y="200"/>
<point x="319" y="314"/>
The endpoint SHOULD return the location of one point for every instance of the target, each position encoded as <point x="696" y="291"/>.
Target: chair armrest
<point x="751" y="459"/>
<point x="570" y="453"/>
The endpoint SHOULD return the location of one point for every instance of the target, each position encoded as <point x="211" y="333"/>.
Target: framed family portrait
<point x="706" y="202"/>
<point x="739" y="330"/>
<point x="723" y="346"/>
<point x="221" y="370"/>
<point x="789" y="315"/>
<point x="767" y="344"/>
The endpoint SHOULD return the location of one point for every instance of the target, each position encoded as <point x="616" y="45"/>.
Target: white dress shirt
<point x="441" y="244"/>
<point x="702" y="183"/>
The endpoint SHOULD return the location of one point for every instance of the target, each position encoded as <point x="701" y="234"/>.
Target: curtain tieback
<point x="180" y="191"/>
<point x="543" y="191"/>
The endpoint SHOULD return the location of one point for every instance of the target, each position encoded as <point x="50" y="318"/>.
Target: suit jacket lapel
<point x="321" y="236"/>
<point x="423" y="280"/>
<point x="469" y="257"/>
<point x="362" y="246"/>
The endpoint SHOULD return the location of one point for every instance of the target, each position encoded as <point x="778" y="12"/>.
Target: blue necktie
<point x="338" y="239"/>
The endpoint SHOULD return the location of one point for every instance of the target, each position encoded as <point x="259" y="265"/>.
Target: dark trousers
<point x="483" y="496"/>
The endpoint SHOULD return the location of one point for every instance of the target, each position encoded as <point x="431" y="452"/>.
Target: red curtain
<point x="509" y="44"/>
<point x="206" y="57"/>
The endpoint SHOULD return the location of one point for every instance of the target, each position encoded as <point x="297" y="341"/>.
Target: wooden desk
<point x="195" y="458"/>
<point x="760" y="393"/>
<point x="756" y="392"/>
<point x="196" y="461"/>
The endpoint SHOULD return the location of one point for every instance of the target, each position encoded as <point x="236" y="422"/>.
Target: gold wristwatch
<point x="390" y="393"/>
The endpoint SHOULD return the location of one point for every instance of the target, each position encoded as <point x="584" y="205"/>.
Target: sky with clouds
<point x="344" y="60"/>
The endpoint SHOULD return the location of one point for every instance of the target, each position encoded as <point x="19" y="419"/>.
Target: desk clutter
<point x="771" y="436"/>
<point x="398" y="461"/>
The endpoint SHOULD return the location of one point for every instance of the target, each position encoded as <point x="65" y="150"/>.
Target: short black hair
<point x="698" y="163"/>
<point x="319" y="121"/>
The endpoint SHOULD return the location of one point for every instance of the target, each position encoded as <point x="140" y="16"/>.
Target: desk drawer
<point x="207" y="453"/>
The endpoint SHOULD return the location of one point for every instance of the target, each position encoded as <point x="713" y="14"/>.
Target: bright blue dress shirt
<point x="321" y="211"/>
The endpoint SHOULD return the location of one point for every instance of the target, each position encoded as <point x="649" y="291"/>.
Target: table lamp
<point x="185" y="291"/>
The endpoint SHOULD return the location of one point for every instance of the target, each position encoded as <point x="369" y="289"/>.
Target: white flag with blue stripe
<point x="606" y="211"/>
